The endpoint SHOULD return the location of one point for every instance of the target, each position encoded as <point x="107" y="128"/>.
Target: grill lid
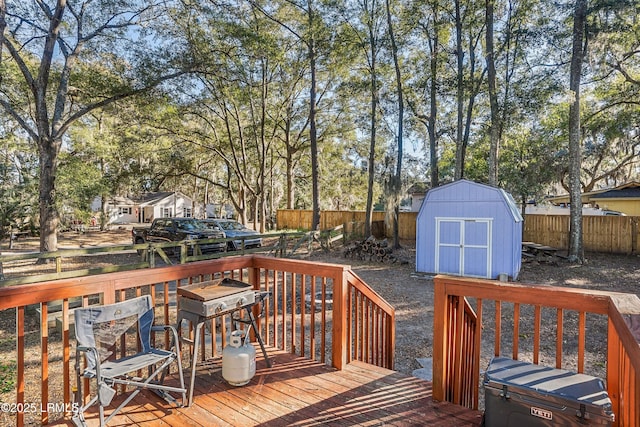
<point x="213" y="289"/>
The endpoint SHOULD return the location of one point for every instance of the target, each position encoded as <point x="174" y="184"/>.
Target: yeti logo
<point x="541" y="413"/>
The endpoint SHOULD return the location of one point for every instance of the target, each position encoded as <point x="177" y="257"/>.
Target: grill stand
<point x="199" y="321"/>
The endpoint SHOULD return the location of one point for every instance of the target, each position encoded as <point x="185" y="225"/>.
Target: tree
<point x="396" y="187"/>
<point x="51" y="47"/>
<point x="431" y="30"/>
<point x="369" y="16"/>
<point x="576" y="250"/>
<point x="494" y="132"/>
<point x="468" y="79"/>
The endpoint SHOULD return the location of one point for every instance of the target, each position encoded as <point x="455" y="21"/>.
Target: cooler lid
<point x="567" y="385"/>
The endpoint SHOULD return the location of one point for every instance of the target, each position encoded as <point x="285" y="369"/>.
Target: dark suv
<point x="179" y="229"/>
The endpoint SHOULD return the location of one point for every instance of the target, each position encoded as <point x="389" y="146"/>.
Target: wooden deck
<point x="300" y="392"/>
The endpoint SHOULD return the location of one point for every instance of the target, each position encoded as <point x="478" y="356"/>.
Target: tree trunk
<point x="372" y="135"/>
<point x="47" y="195"/>
<point x="493" y="98"/>
<point x="460" y="148"/>
<point x="576" y="251"/>
<point x="313" y="137"/>
<point x="433" y="113"/>
<point x="289" y="167"/>
<point x="397" y="188"/>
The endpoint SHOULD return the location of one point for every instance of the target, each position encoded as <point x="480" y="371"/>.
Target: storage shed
<point x="469" y="229"/>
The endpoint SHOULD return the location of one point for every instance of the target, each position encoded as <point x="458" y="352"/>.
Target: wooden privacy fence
<point x="508" y="319"/>
<point x="610" y="234"/>
<point x="301" y="219"/>
<point x="343" y="320"/>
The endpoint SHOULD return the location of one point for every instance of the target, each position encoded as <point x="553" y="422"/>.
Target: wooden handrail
<point x="289" y="323"/>
<point x="451" y="344"/>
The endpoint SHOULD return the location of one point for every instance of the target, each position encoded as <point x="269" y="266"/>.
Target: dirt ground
<point x="412" y="296"/>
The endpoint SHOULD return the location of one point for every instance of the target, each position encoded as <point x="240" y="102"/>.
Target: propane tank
<point x="238" y="360"/>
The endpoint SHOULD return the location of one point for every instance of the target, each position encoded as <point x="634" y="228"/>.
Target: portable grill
<point x="216" y="297"/>
<point x="208" y="300"/>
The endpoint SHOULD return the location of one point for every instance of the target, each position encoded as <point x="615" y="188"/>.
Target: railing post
<point x="339" y="343"/>
<point x="254" y="279"/>
<point x="440" y="328"/>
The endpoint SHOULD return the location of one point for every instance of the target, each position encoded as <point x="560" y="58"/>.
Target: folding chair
<point x="98" y="328"/>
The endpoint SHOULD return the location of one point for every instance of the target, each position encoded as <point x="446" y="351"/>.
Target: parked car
<point x="613" y="213"/>
<point x="237" y="231"/>
<point x="177" y="230"/>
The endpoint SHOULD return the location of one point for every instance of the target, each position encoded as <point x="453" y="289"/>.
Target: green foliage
<point x="18" y="183"/>
<point x="7" y="376"/>
<point x="527" y="164"/>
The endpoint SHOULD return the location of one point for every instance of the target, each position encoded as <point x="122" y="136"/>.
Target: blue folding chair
<point x="98" y="329"/>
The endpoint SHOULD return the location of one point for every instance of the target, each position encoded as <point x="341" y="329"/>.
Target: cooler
<point x="521" y="394"/>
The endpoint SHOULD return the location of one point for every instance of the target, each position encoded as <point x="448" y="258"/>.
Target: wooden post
<point x="440" y="328"/>
<point x="613" y="369"/>
<point x="339" y="343"/>
<point x="254" y="279"/>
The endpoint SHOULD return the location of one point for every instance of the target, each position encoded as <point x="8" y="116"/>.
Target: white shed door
<point x="463" y="246"/>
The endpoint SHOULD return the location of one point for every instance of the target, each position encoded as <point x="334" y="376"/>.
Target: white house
<point x="417" y="193"/>
<point x="146" y="207"/>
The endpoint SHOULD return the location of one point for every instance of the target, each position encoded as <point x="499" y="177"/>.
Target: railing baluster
<point x="66" y="370"/>
<point x="476" y="358"/>
<point x="498" y="329"/>
<point x="358" y="350"/>
<point x="20" y="363"/>
<point x="303" y="285"/>
<point x="582" y="326"/>
<point x="559" y="336"/>
<point x="283" y="330"/>
<point x="44" y="360"/>
<point x="365" y="327"/>
<point x="312" y="327"/>
<point x="165" y="312"/>
<point x="293" y="312"/>
<point x="267" y="308"/>
<point x="537" y="318"/>
<point x="516" y="330"/>
<point x="323" y="327"/>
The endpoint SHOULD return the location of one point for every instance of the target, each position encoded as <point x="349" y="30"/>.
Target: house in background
<point x="624" y="198"/>
<point x="146" y="207"/>
<point x="417" y="192"/>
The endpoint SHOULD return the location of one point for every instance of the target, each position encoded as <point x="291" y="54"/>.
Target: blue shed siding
<point x="454" y="207"/>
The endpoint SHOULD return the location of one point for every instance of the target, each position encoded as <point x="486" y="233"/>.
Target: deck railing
<point x="458" y="340"/>
<point x="318" y="330"/>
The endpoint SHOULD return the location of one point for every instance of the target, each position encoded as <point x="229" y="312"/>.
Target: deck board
<point x="299" y="392"/>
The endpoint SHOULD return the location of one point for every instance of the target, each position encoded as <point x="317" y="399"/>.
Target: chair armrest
<point x="84" y="349"/>
<point x="96" y="358"/>
<point x="174" y="332"/>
